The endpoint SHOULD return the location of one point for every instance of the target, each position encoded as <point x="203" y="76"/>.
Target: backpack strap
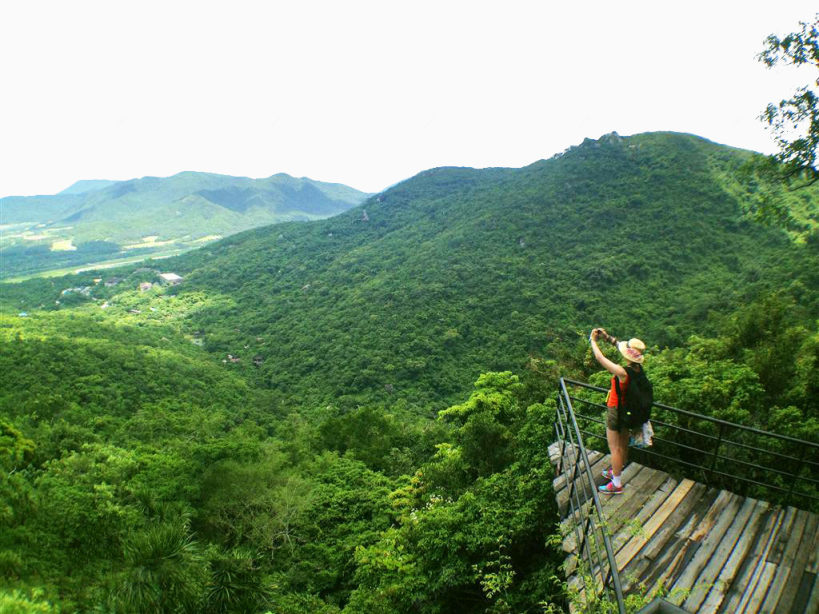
<point x="619" y="401"/>
<point x="630" y="373"/>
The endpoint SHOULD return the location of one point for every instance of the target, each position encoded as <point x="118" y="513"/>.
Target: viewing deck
<point x="711" y="551"/>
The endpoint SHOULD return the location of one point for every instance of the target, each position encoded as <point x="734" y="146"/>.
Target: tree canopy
<point x="794" y="121"/>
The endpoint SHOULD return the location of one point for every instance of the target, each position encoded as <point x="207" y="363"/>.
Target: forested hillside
<point x="457" y="271"/>
<point x="352" y="415"/>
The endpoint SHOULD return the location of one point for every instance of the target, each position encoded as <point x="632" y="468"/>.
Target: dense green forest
<point x="459" y="271"/>
<point x="353" y="414"/>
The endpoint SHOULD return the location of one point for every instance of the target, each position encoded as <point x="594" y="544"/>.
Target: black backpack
<point x="635" y="409"/>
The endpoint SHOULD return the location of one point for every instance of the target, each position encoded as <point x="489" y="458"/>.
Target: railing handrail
<point x="807" y="450"/>
<point x="708" y="418"/>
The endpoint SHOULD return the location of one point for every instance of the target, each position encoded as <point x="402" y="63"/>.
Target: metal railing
<point x="718" y="452"/>
<point x="743" y="459"/>
<point x="592" y="536"/>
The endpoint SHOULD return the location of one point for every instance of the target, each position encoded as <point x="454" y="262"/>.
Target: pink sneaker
<point x="608" y="474"/>
<point x="610" y="489"/>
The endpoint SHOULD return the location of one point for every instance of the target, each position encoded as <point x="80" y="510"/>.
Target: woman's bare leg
<point x="613" y="437"/>
<point x="624" y="436"/>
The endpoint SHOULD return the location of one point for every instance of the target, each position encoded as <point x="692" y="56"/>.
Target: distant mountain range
<point x="457" y="271"/>
<point x="98" y="220"/>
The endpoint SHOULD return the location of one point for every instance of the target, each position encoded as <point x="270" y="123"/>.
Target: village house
<point x="84" y="290"/>
<point x="170" y="278"/>
<point x="145" y="286"/>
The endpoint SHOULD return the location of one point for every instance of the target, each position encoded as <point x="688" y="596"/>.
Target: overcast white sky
<point x="368" y="93"/>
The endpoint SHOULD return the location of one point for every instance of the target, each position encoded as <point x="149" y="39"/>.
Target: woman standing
<point x="617" y="434"/>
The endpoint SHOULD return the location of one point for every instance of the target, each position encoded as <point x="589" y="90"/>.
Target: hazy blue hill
<point x="176" y="211"/>
<point x="459" y="271"/>
<point x="128" y="210"/>
<point x="37" y="209"/>
<point x="86" y="185"/>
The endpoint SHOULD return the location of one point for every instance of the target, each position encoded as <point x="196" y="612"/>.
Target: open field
<point x="107" y="264"/>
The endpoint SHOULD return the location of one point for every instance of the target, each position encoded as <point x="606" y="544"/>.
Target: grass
<point x="105" y="264"/>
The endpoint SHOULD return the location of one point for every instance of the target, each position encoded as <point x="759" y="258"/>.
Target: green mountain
<point x="95" y="221"/>
<point x="459" y="271"/>
<point x="264" y="436"/>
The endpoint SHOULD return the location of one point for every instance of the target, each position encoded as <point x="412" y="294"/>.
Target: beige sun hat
<point x="632" y="349"/>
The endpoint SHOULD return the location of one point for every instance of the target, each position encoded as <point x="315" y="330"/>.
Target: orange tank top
<point x="611" y="398"/>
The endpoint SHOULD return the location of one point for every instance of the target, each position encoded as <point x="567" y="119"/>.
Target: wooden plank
<point x="581" y="485"/>
<point x="633" y="487"/>
<point x="786" y="564"/>
<point x="571" y="456"/>
<point x="694" y="538"/>
<point x="565" y="494"/>
<point x="582" y="490"/>
<point x="641" y="486"/>
<point x="597" y="467"/>
<point x="560" y="482"/>
<point x="569" y="526"/>
<point x="633" y="572"/>
<point x="752" y="563"/>
<point x="725" y="542"/>
<point x="571" y="453"/>
<point x="672" y="559"/>
<point x="726" y="577"/>
<point x="807" y="592"/>
<point x="762" y="576"/>
<point x="632" y="470"/>
<point x="706" y="538"/>
<point x="633" y="545"/>
<point x="682" y="512"/>
<point x="755" y="602"/>
<point x="813" y="561"/>
<point x="625" y="507"/>
<point x="655" y="500"/>
<point x="578" y="495"/>
<point x="596" y="548"/>
<point x="791" y="590"/>
<point x="567" y="456"/>
<point x="812" y="606"/>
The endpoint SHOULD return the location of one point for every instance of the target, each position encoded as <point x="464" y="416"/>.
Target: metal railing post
<point x="716" y="454"/>
<point x="796" y="474"/>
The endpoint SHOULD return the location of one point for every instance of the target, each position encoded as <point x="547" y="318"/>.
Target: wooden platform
<point x="710" y="550"/>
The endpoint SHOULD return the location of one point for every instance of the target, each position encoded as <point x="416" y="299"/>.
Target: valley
<point x="95" y="223"/>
